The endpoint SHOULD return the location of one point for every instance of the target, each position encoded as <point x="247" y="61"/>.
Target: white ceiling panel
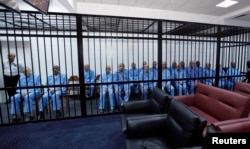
<point x="111" y="2"/>
<point x="206" y="7"/>
<point x="158" y="4"/>
<point x="127" y="2"/>
<point x="143" y="3"/>
<point x="93" y="1"/>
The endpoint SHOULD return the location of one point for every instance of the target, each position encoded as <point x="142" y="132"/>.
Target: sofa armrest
<point x="234" y="125"/>
<point x="186" y="99"/>
<point x="146" y="126"/>
<point x="138" y="106"/>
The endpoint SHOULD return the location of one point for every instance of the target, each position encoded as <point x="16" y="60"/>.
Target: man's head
<point x="192" y="64"/>
<point x="207" y="65"/>
<point x="174" y="64"/>
<point x="108" y="69"/>
<point x="178" y="67"/>
<point x="11" y="57"/>
<point x="182" y="64"/>
<point x="86" y="67"/>
<point x="56" y="69"/>
<point x="233" y="64"/>
<point x="146" y="68"/>
<point x="27" y="71"/>
<point x="133" y="65"/>
<point x="164" y="65"/>
<point x="154" y="64"/>
<point x="198" y="63"/>
<point x="121" y="67"/>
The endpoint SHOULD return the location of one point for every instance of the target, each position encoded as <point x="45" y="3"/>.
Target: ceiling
<point x="66" y="22"/>
<point x="240" y="11"/>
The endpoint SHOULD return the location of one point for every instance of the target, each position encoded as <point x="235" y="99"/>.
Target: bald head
<point x="56" y="69"/>
<point x="86" y="67"/>
<point x="27" y="71"/>
<point x="108" y="69"/>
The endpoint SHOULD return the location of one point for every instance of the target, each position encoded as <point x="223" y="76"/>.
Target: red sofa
<point x="216" y="104"/>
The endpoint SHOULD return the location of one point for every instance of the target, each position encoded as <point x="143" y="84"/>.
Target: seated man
<point x="134" y="76"/>
<point x="191" y="73"/>
<point x="146" y="87"/>
<point x="122" y="91"/>
<point x="166" y="83"/>
<point x="233" y="74"/>
<point x="180" y="84"/>
<point x="89" y="77"/>
<point x="27" y="95"/>
<point x="154" y="71"/>
<point x="223" y="83"/>
<point x="209" y="74"/>
<point x="106" y="89"/>
<point x="53" y="92"/>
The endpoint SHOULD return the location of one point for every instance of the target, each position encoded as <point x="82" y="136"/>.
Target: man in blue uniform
<point x="223" y="83"/>
<point x="233" y="74"/>
<point x="27" y="95"/>
<point x="146" y="87"/>
<point x="166" y="84"/>
<point x="199" y="71"/>
<point x="179" y="83"/>
<point x="209" y="74"/>
<point x="134" y="76"/>
<point x="154" y="71"/>
<point x="191" y="73"/>
<point x="106" y="89"/>
<point x="122" y="91"/>
<point x="89" y="77"/>
<point x="54" y="92"/>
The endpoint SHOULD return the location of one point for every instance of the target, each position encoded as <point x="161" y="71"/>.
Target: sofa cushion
<point x="148" y="143"/>
<point x="157" y="105"/>
<point x="206" y="116"/>
<point x="235" y="125"/>
<point x="161" y="98"/>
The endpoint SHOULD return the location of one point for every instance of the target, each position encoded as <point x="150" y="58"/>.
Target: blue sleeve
<point x="38" y="83"/>
<point x="115" y="75"/>
<point x="92" y="76"/>
<point x="64" y="82"/>
<point x="18" y="85"/>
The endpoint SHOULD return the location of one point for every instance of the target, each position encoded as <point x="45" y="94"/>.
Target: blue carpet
<point x="100" y="132"/>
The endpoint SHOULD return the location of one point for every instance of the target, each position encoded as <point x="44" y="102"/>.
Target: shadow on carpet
<point x="100" y="132"/>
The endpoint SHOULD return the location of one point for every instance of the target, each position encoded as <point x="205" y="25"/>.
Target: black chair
<point x="158" y="104"/>
<point x="179" y="128"/>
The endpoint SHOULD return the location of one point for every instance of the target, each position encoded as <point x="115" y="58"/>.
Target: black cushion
<point x="147" y="143"/>
<point x="162" y="98"/>
<point x="156" y="105"/>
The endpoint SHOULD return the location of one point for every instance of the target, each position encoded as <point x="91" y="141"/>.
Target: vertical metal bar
<point x="218" y="52"/>
<point x="159" y="82"/>
<point x="80" y="61"/>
